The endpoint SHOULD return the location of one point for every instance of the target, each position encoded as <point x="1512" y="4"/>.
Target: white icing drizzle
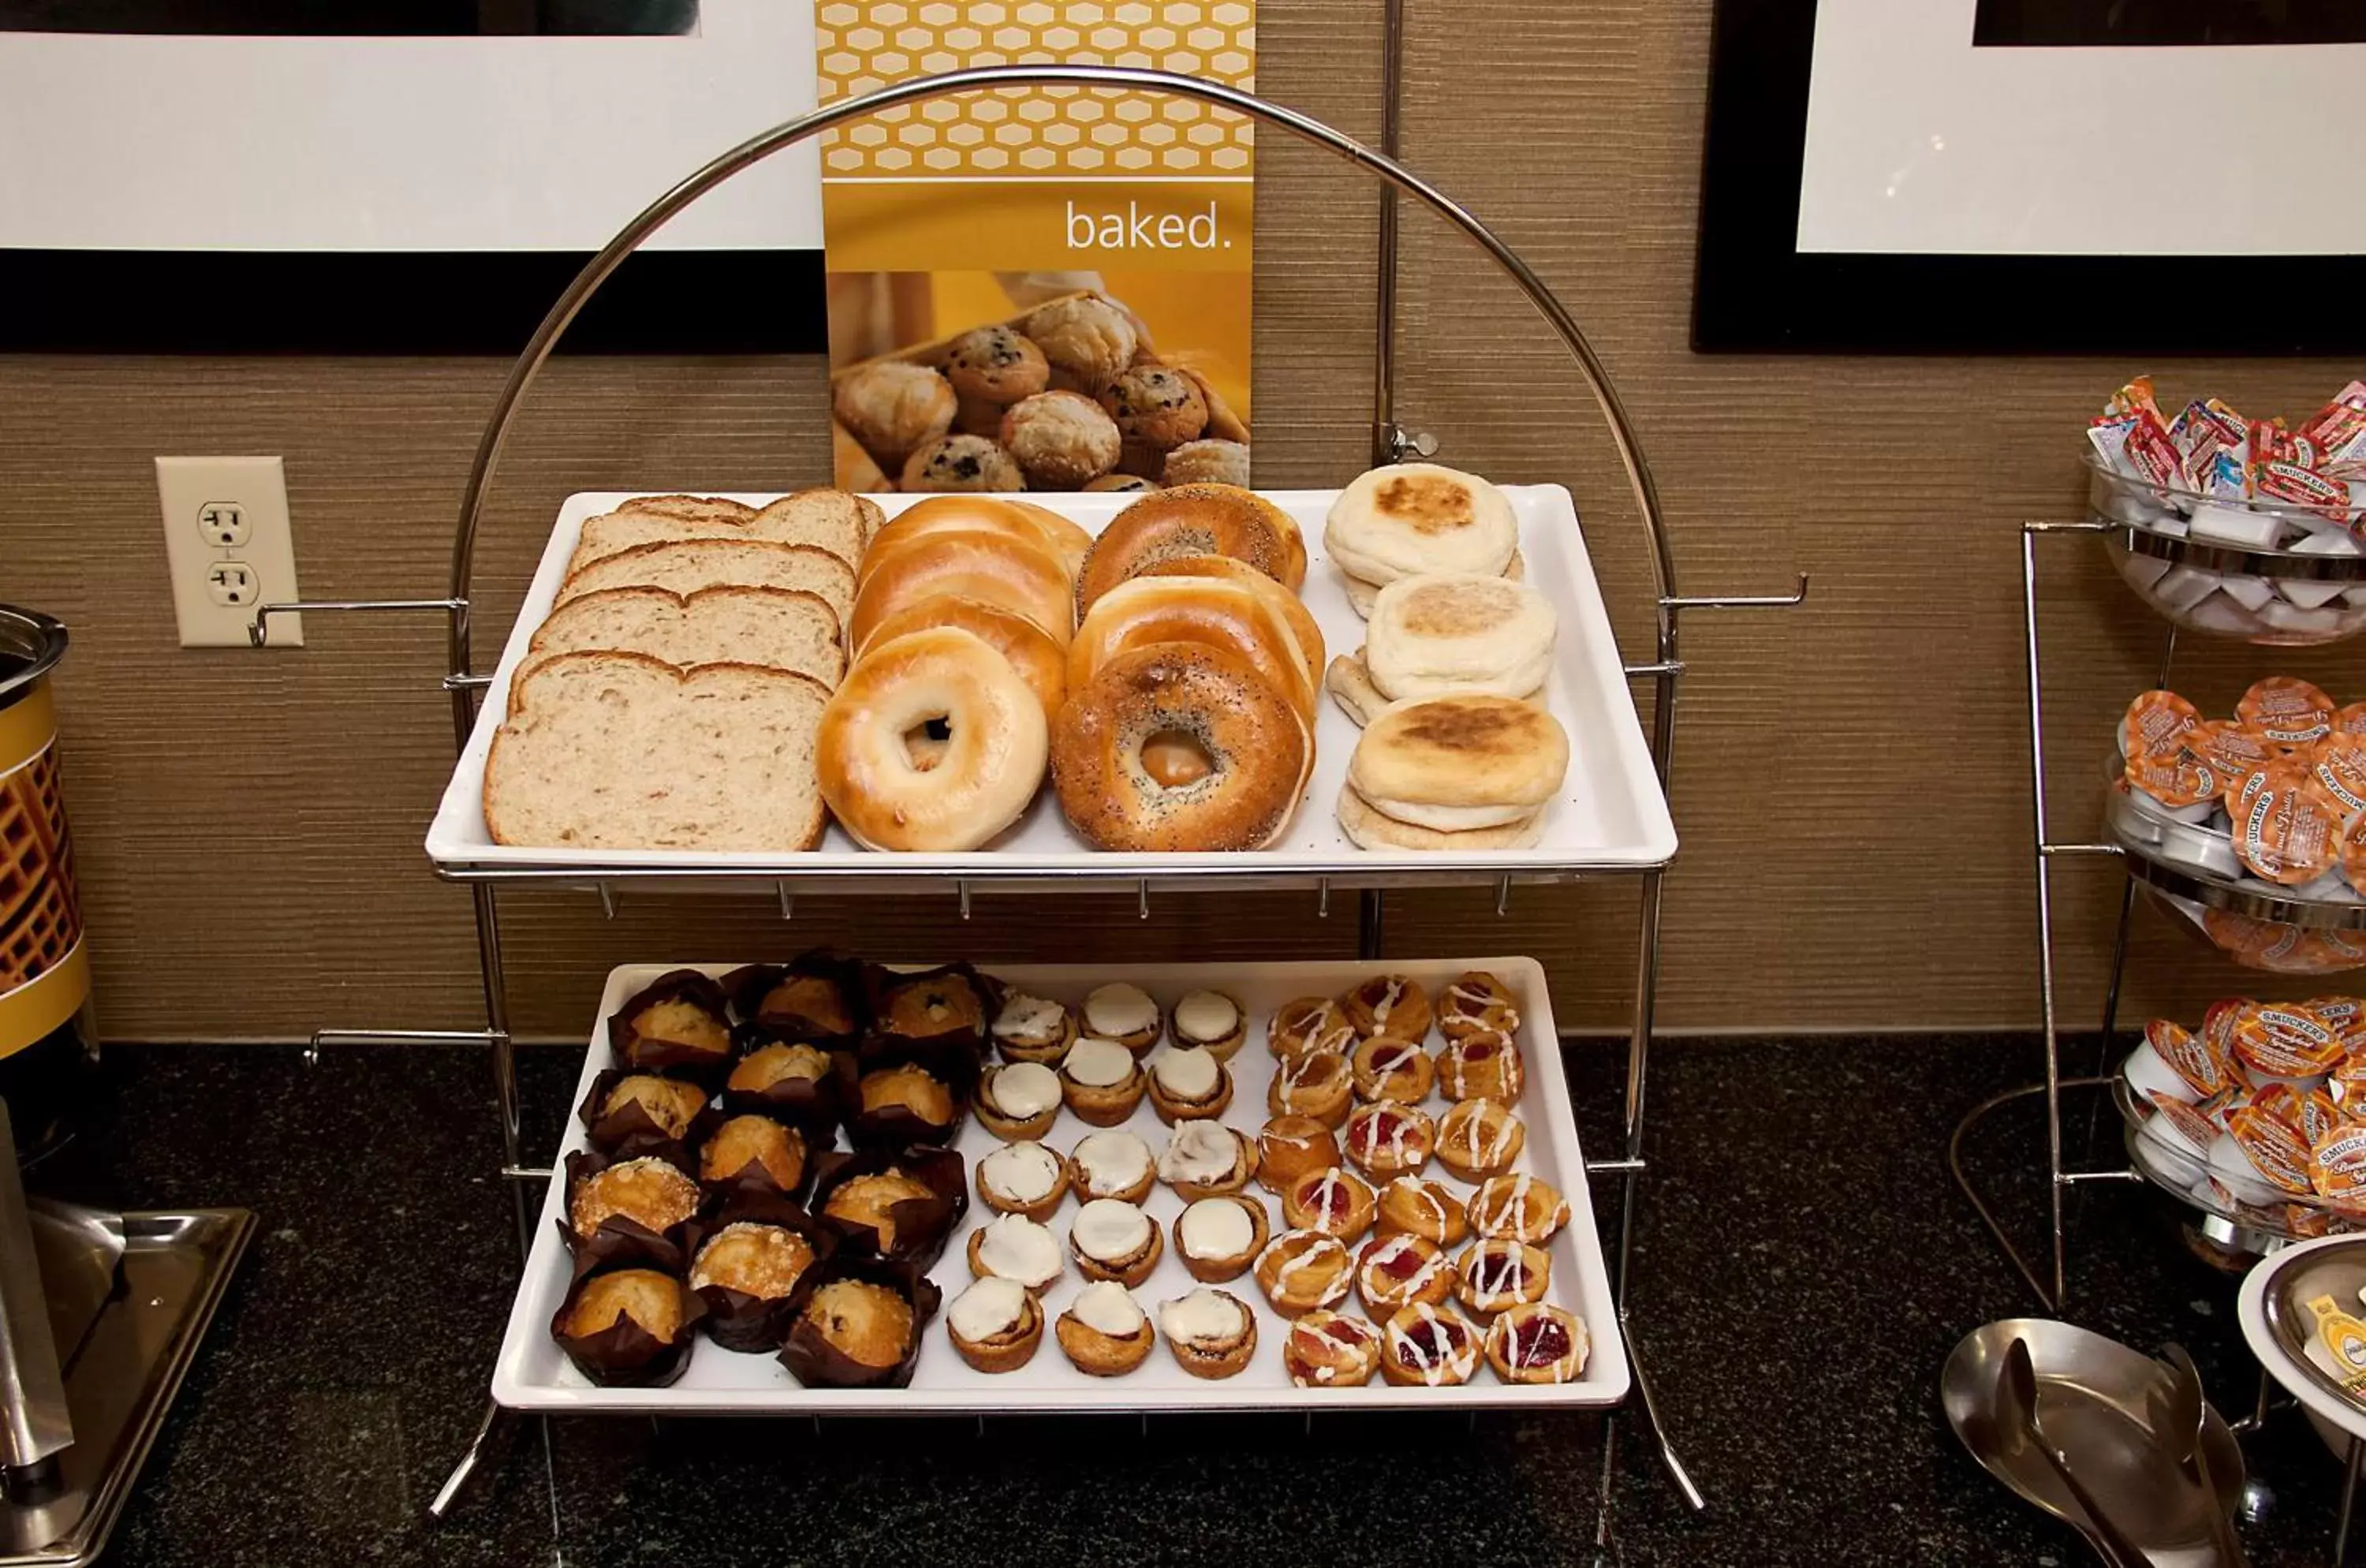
<point x="1206" y="1016"/>
<point x="1474" y="1002"/>
<point x="1112" y="1161"/>
<point x="1393" y="992"/>
<point x="1188" y="1073"/>
<point x="1373" y="1282"/>
<point x="1024" y="1173"/>
<point x="1482" y="1138"/>
<point x="1402" y="1131"/>
<point x="1029" y="1018"/>
<point x="1317" y="1200"/>
<point x="1120" y="1009"/>
<point x="1215" y="1227"/>
<point x="1308" y="1074"/>
<point x="1199" y="1151"/>
<point x="1016" y="1248"/>
<point x="987" y="1308"/>
<point x="1109" y="1231"/>
<point x="1425" y="1196"/>
<point x="1335" y="1038"/>
<point x="1433" y="1357"/>
<point x="1022" y="1091"/>
<point x="1098" y="1064"/>
<point x="1300" y="1256"/>
<point x="1497" y="1269"/>
<point x="1388" y="1056"/>
<point x="1104" y="1305"/>
<point x="1205" y="1318"/>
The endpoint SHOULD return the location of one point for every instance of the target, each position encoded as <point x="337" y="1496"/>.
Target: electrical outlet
<point x="229" y="547"/>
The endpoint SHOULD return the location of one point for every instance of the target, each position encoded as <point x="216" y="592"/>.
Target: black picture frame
<point x="1755" y="292"/>
<point x="383" y="302"/>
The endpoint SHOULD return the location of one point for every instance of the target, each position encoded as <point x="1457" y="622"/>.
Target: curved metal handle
<point x="748" y="153"/>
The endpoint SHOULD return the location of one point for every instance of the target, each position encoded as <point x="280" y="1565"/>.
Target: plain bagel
<point x="975" y="782"/>
<point x="1028" y="647"/>
<point x="1181" y="609"/>
<point x="996" y="515"/>
<point x="998" y="567"/>
<point x="1258" y="752"/>
<point x="1191" y="520"/>
<point x="1285" y="604"/>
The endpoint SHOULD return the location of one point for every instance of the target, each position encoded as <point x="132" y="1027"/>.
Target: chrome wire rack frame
<point x="2049" y="1277"/>
<point x="1391" y="442"/>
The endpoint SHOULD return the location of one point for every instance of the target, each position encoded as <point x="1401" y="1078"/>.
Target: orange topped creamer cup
<point x="2233" y="753"/>
<point x="2273" y="1147"/>
<point x="2156" y="724"/>
<point x="2337" y="768"/>
<point x="2349" y="720"/>
<point x="2286" y="1042"/>
<point x="2336" y="1166"/>
<point x="2283" y="830"/>
<point x="2287" y="711"/>
<point x="2200" y="1067"/>
<point x="2180" y="779"/>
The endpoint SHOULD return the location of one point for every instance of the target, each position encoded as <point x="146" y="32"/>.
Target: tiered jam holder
<point x="1391" y="442"/>
<point x="2268" y="595"/>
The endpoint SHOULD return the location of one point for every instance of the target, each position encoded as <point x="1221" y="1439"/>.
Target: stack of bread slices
<point x="673" y="696"/>
<point x="1458" y="750"/>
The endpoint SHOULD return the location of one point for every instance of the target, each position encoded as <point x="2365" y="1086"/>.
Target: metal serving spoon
<point x="2016" y="1402"/>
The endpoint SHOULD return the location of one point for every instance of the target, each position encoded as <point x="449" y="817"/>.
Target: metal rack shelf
<point x="463" y="682"/>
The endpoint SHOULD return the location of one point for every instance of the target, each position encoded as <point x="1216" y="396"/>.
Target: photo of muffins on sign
<point x="1041" y="287"/>
<point x="1069" y="394"/>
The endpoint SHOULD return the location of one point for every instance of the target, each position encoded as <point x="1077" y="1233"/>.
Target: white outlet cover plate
<point x="186" y="487"/>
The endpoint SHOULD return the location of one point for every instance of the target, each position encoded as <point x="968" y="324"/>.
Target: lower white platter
<point x="533" y="1375"/>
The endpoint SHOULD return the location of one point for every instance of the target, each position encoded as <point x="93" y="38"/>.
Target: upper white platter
<point x="1611" y="814"/>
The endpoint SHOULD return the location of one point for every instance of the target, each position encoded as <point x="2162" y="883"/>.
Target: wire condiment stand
<point x="463" y="682"/>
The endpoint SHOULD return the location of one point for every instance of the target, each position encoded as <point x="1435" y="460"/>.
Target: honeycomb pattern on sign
<point x="866" y="44"/>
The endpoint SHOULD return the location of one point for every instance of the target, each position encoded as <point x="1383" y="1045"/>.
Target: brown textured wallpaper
<point x="1852" y="778"/>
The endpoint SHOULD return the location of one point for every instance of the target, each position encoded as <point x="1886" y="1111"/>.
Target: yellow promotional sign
<point x="1109" y="231"/>
<point x="44" y="971"/>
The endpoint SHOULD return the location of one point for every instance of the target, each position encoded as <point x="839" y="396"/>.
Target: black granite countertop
<point x="1804" y="1265"/>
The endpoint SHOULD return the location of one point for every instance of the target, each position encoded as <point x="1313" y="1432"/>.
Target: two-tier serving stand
<point x="1365" y="875"/>
<point x="2146" y="548"/>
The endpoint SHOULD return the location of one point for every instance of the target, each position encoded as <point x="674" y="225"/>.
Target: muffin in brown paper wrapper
<point x="922" y="1226"/>
<point x="734" y="1319"/>
<point x="625" y="1355"/>
<point x="950" y="1062"/>
<point x="618" y="1243"/>
<point x="814" y="1362"/>
<point x="951" y="1002"/>
<point x="652" y="1052"/>
<point x="632" y="1132"/>
<point x="751" y="1179"/>
<point x="828" y="1002"/>
<point x="814" y="1106"/>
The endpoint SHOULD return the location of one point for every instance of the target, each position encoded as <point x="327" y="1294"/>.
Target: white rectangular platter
<point x="533" y="1374"/>
<point x="1610" y="814"/>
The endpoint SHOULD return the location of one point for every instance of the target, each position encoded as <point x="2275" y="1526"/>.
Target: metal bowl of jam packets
<point x="2276" y="569"/>
<point x="909" y="1229"/>
<point x="738" y="1317"/>
<point x="620" y="1239"/>
<point x="679" y="1022"/>
<point x="952" y="1002"/>
<point x="628" y="1326"/>
<point x="818" y="996"/>
<point x="858" y="1323"/>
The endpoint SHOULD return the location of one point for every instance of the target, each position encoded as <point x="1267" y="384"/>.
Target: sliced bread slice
<point x="686" y="566"/>
<point x="783" y="628"/>
<point x="623" y="752"/>
<point x="825" y="519"/>
<point x="692" y="508"/>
